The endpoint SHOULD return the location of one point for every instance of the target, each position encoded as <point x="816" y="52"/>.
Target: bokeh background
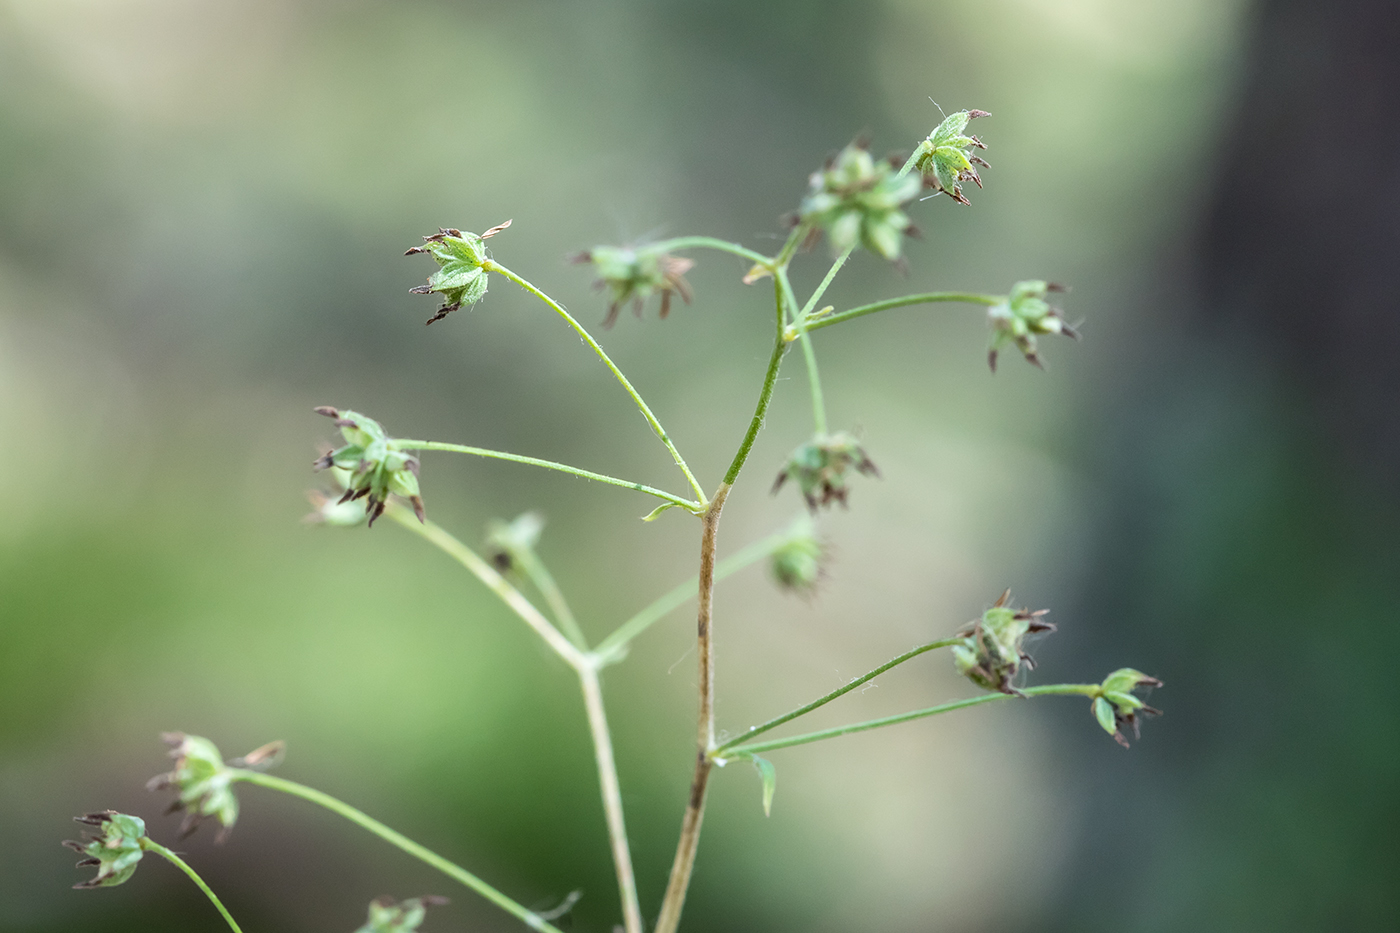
<point x="203" y="207"/>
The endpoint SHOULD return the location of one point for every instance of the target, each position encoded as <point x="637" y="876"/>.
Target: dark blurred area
<point x="202" y="213"/>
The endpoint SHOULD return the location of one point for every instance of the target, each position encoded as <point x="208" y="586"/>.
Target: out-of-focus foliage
<point x="203" y="208"/>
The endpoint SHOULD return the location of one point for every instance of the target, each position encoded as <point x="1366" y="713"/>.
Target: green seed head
<point x="385" y="916"/>
<point x="114" y="850"/>
<point x="634" y="275"/>
<point x="1116" y="707"/>
<point x="460" y="278"/>
<point x="819" y="468"/>
<point x="992" y="651"/>
<point x="855" y="200"/>
<point x="1023" y="314"/>
<point x="203" y="783"/>
<point x="370" y="466"/>
<point x="945" y="159"/>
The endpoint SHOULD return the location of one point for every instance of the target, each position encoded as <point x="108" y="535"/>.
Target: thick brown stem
<point x="670" y="917"/>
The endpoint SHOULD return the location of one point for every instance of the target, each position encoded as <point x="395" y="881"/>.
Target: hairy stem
<point x="925" y="298"/>
<point x="670" y="916"/>
<point x="612" y="798"/>
<point x="551" y="465"/>
<point x="359" y="818"/>
<point x="609" y="650"/>
<point x="492" y="266"/>
<point x="1088" y="690"/>
<point x="150" y="845"/>
<point x="840" y="691"/>
<point x="487" y="574"/>
<point x="709" y="242"/>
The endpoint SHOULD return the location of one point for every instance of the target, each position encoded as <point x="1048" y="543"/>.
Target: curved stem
<point x="487" y="574"/>
<point x="550" y="465"/>
<point x="770" y="379"/>
<point x="493" y="266"/>
<point x="612" y="798"/>
<point x="679" y="883"/>
<point x="840" y="691"/>
<point x="1088" y="690"/>
<point x="150" y="845"/>
<point x="359" y="818"/>
<point x="709" y="242"/>
<point x="926" y="298"/>
<point x="610" y="649"/>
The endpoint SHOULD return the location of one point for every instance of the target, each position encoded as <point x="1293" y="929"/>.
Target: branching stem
<point x="840" y="691"/>
<point x="493" y="266"/>
<point x="150" y="845"/>
<point x="687" y="504"/>
<point x="359" y="818"/>
<point x="925" y="298"/>
<point x="738" y="751"/>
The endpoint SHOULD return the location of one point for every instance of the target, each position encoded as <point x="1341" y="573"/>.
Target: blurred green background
<point x="203" y="208"/>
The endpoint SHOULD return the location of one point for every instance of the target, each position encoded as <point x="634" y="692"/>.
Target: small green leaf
<point x="1104" y="711"/>
<point x="654" y="513"/>
<point x="769" y="775"/>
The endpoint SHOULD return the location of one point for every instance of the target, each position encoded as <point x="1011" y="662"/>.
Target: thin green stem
<point x="551" y="465"/>
<point x="794" y="240"/>
<point x="709" y="242"/>
<point x="825" y="283"/>
<point x="497" y="584"/>
<point x="610" y="649"/>
<point x="359" y="818"/>
<point x="543" y="580"/>
<point x="840" y="691"/>
<point x="925" y="298"/>
<point x="738" y="751"/>
<point x="814" y="383"/>
<point x="612" y="799"/>
<point x="493" y="266"/>
<point x="150" y="845"/>
<point x="770" y="379"/>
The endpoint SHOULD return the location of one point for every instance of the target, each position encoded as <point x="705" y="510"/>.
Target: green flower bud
<point x="371" y="466"/>
<point x="992" y="654"/>
<point x="387" y="917"/>
<point x="856" y="200"/>
<point x="945" y="158"/>
<point x="203" y="782"/>
<point x="115" y="852"/>
<point x="508" y="542"/>
<point x="635" y="275"/>
<point x="460" y="278"/>
<point x="819" y="468"/>
<point x="1023" y="314"/>
<point x="797" y="563"/>
<point x="1116" y="707"/>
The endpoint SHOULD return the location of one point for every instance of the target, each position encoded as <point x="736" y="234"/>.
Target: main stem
<point x="150" y="845"/>
<point x="684" y="863"/>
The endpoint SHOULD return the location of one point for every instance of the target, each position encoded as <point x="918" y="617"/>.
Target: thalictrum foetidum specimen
<point x="856" y="200"/>
<point x="992" y="653"/>
<point x="203" y="782"/>
<point x="114" y="850"/>
<point x="460" y="280"/>
<point x="1116" y="707"/>
<point x="945" y="159"/>
<point x="819" y="468"/>
<point x="374" y="464"/>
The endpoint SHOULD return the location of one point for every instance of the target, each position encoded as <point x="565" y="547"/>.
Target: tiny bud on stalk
<point x="371" y="466"/>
